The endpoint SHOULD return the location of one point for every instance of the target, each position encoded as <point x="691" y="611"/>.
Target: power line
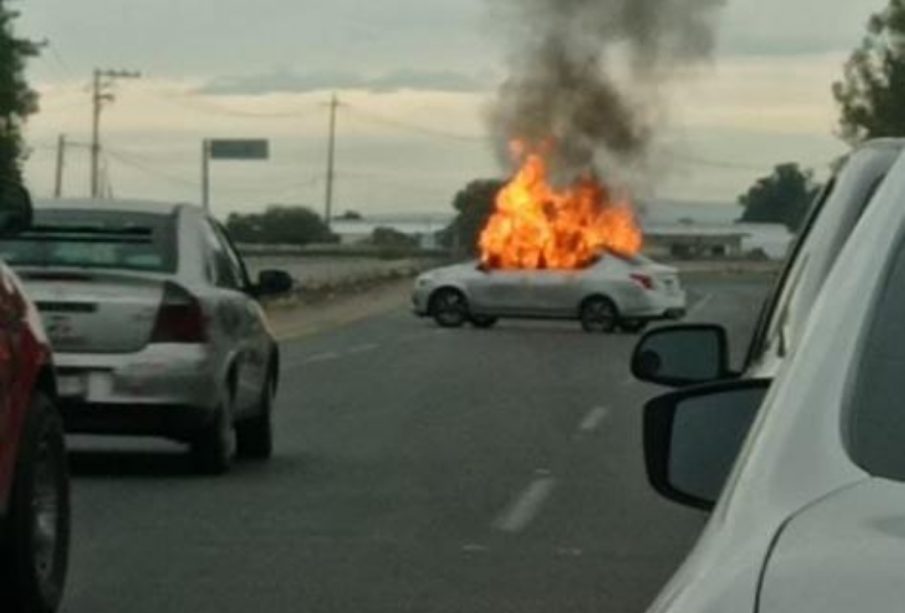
<point x="416" y="129"/>
<point x="101" y="94"/>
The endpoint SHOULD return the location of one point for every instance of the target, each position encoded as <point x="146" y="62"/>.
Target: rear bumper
<point x="171" y="421"/>
<point x="163" y="389"/>
<point x="657" y="307"/>
<point x="421" y="302"/>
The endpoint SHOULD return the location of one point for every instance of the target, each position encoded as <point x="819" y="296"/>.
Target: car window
<point x="876" y="421"/>
<point x="232" y="254"/>
<point x="222" y="268"/>
<point x="96" y="239"/>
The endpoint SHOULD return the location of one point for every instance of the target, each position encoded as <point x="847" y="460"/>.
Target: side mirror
<point x="692" y="438"/>
<point x="682" y="355"/>
<point x="15" y="209"/>
<point x="273" y="283"/>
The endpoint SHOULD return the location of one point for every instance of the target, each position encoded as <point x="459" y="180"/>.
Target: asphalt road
<point x="417" y="470"/>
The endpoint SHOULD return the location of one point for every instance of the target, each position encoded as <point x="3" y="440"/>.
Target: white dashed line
<point x="362" y="349"/>
<point x="593" y="419"/>
<point x="700" y="304"/>
<point x="525" y="508"/>
<point x="314" y="359"/>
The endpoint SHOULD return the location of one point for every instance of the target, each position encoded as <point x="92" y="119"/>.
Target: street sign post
<point x="246" y="149"/>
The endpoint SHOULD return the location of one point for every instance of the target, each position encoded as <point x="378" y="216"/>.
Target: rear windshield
<point x="95" y="239"/>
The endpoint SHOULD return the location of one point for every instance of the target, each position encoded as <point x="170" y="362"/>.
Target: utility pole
<point x="206" y="174"/>
<point x="103" y="81"/>
<point x="61" y="161"/>
<point x="331" y="162"/>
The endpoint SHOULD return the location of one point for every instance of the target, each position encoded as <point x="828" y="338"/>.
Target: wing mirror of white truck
<point x="692" y="438"/>
<point x="682" y="355"/>
<point x="273" y="283"/>
<point x="15" y="209"/>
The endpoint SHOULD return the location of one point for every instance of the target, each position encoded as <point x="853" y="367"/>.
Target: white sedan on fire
<point x="613" y="291"/>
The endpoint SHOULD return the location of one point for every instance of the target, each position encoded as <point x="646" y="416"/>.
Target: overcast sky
<point x="417" y="78"/>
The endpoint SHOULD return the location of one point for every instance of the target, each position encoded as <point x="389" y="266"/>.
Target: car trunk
<point x="665" y="278"/>
<point x="95" y="311"/>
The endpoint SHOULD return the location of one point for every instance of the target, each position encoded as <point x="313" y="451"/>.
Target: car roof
<point x="883" y="143"/>
<point x="121" y="205"/>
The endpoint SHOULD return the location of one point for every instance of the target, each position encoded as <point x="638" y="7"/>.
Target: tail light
<point x="643" y="280"/>
<point x="180" y="318"/>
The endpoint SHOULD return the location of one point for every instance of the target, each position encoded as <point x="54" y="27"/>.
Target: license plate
<point x="73" y="386"/>
<point x="61" y="331"/>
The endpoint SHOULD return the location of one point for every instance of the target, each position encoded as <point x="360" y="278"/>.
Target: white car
<point x="807" y="475"/>
<point x="155" y="326"/>
<point x="614" y="291"/>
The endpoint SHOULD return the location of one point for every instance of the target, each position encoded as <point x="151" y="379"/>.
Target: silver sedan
<point x="615" y="291"/>
<point x="155" y="326"/>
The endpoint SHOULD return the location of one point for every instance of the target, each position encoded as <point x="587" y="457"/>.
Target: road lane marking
<point x="314" y="359"/>
<point x="362" y="349"/>
<point x="700" y="304"/>
<point x="525" y="508"/>
<point x="593" y="419"/>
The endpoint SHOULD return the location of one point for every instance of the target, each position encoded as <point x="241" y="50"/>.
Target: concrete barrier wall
<point x="335" y="273"/>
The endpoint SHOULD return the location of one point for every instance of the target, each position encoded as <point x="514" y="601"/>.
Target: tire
<point x="633" y="326"/>
<point x="34" y="543"/>
<point x="449" y="308"/>
<point x="599" y="315"/>
<point x="213" y="447"/>
<point x="254" y="437"/>
<point x="483" y="321"/>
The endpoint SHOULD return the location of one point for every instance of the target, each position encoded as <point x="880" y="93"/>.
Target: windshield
<point x="95" y="239"/>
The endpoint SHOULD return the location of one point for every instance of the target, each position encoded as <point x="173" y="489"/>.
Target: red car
<point x="34" y="486"/>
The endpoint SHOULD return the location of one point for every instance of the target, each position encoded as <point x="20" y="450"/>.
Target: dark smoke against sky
<point x="588" y="72"/>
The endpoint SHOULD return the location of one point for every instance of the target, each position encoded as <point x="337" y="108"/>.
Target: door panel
<point x="844" y="554"/>
<point x="499" y="291"/>
<point x="554" y="292"/>
<point x="244" y="320"/>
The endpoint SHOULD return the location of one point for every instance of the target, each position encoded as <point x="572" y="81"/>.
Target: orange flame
<point x="538" y="226"/>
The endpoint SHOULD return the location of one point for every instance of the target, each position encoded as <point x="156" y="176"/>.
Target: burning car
<point x="613" y="291"/>
<point x="569" y="251"/>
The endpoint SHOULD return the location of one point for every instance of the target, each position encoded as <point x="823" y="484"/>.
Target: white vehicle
<point x="616" y="290"/>
<point x="807" y="475"/>
<point x="155" y="326"/>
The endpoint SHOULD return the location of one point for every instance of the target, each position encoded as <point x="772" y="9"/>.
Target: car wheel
<point x="449" y="308"/>
<point x="34" y="546"/>
<point x="213" y="447"/>
<point x="599" y="315"/>
<point x="483" y="321"/>
<point x="254" y="437"/>
<point x="633" y="326"/>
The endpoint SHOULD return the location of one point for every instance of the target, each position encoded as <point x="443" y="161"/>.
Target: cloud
<point x="286" y="81"/>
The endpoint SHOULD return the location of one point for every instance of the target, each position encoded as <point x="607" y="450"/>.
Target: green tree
<point x="475" y="205"/>
<point x="279" y="225"/>
<point x="17" y="99"/>
<point x="872" y="90"/>
<point x="390" y="237"/>
<point x="783" y="197"/>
